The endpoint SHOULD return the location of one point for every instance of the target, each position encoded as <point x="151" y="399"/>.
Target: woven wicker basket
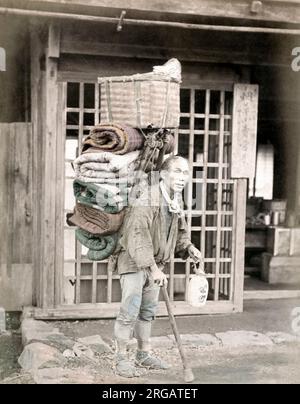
<point x="141" y="100"/>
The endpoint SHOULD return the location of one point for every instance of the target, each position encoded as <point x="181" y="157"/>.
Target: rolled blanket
<point x="117" y="182"/>
<point x="100" y="248"/>
<point x="114" y="138"/>
<point x="109" y="198"/>
<point x="95" y="174"/>
<point x="95" y="221"/>
<point x="105" y="167"/>
<point x="105" y="163"/>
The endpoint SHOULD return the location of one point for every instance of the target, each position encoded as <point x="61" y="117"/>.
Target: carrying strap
<point x="167" y="104"/>
<point x="138" y="99"/>
<point x="108" y="100"/>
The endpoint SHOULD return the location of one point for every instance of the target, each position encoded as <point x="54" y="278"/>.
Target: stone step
<point x="285" y="261"/>
<point x="281" y="270"/>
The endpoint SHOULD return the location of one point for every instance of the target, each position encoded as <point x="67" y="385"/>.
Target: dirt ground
<point x="254" y="365"/>
<point x="274" y="364"/>
<point x="10" y="350"/>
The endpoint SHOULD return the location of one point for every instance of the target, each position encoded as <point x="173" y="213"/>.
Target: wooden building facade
<point x="65" y="49"/>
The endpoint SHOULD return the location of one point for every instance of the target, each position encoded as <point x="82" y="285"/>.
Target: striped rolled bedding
<point x="115" y="138"/>
<point x="105" y="172"/>
<point x="109" y="198"/>
<point x="100" y="247"/>
<point x="95" y="221"/>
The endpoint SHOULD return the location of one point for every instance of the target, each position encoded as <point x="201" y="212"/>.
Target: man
<point x="153" y="230"/>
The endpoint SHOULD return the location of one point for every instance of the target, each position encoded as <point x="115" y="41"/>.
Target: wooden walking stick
<point x="187" y="371"/>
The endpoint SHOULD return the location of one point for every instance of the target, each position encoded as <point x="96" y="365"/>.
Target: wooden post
<point x="240" y="231"/>
<point x="49" y="235"/>
<point x="243" y="163"/>
<point x="60" y="191"/>
<point x="37" y="94"/>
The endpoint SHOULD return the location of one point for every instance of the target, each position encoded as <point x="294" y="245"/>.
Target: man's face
<point x="177" y="176"/>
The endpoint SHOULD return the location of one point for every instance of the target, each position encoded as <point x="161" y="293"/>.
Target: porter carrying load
<point x="148" y="104"/>
<point x="138" y="114"/>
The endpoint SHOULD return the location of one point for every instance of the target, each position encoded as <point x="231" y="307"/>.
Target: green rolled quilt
<point x="110" y="198"/>
<point x="100" y="248"/>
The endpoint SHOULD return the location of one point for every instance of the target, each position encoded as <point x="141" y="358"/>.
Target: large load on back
<point x="138" y="114"/>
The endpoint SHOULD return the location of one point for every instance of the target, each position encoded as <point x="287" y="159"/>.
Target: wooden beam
<point x="184" y="54"/>
<point x="154" y="24"/>
<point x="272" y="10"/>
<point x="103" y="310"/>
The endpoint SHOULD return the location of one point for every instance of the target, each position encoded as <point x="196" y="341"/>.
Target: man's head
<point x="175" y="173"/>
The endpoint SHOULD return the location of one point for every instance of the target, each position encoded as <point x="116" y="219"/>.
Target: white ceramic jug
<point x="198" y="291"/>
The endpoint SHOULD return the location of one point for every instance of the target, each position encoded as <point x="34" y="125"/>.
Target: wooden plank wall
<point x="13" y="38"/>
<point x="16" y="230"/>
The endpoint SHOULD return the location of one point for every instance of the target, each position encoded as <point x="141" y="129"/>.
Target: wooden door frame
<point x="239" y="244"/>
<point x="53" y="307"/>
<point x="50" y="263"/>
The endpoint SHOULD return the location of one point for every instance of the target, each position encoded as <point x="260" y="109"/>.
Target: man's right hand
<point x="158" y="276"/>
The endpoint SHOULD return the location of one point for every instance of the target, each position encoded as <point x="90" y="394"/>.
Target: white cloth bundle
<point x="172" y="69"/>
<point x="99" y="167"/>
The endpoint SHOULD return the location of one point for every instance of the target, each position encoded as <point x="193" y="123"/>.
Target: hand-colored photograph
<point x="149" y="194"/>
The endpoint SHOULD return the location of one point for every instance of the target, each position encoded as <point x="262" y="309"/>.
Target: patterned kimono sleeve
<point x="138" y="240"/>
<point x="183" y="240"/>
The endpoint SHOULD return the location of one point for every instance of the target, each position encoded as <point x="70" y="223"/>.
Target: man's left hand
<point x="196" y="256"/>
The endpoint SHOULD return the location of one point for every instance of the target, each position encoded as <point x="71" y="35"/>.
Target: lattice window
<point x="204" y="138"/>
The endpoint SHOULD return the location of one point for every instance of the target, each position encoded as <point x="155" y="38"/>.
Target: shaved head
<point x="167" y="164"/>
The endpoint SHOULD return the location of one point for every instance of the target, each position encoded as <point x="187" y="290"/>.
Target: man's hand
<point x="158" y="276"/>
<point x="196" y="256"/>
